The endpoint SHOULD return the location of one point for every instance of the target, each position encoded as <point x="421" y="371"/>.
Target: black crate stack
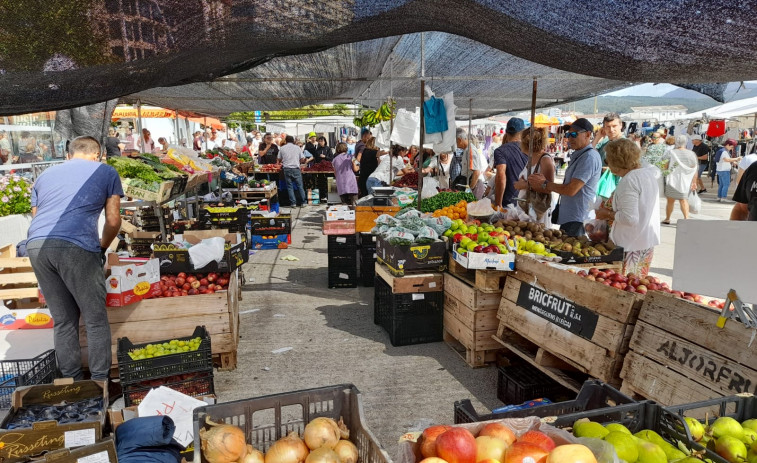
<point x="367" y="259"/>
<point x="190" y="372"/>
<point x="342" y="251"/>
<point x="409" y="318"/>
<point x="146" y="220"/>
<point x="234" y="220"/>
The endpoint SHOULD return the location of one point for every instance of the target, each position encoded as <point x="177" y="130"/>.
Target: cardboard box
<point x="339" y="227"/>
<point x="101" y="452"/>
<point x="25" y="319"/>
<point x="400" y="259"/>
<point x="174" y="259"/>
<point x="483" y="261"/>
<point x="130" y="282"/>
<point x="163" y="193"/>
<point x="261" y="224"/>
<point x="118" y="417"/>
<point x="270" y="242"/>
<point x="365" y="216"/>
<point x="340" y="213"/>
<point x="17" y="444"/>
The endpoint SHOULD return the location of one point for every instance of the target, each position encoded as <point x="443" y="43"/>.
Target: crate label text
<point x="564" y="313"/>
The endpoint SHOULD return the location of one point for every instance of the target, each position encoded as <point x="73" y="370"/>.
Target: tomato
<point x="166" y="293"/>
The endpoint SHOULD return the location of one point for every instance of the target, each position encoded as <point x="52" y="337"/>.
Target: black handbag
<point x="556" y="214"/>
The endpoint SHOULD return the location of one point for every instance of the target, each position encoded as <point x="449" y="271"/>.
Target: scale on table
<point x="382" y="196"/>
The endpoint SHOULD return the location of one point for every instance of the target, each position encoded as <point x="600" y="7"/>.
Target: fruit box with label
<point x="483" y="261"/>
<point x="271" y="242"/>
<point x="102" y="452"/>
<point x="25" y="319"/>
<point x="18" y="444"/>
<point x="399" y="259"/>
<point x="270" y="224"/>
<point x="340" y="213"/>
<point x="174" y="259"/>
<point x="131" y="280"/>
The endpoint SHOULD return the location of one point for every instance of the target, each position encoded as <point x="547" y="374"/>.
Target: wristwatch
<point x="544" y="185"/>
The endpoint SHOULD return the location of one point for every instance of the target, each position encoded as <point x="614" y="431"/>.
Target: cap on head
<point x="312" y="135"/>
<point x="582" y="124"/>
<point x="515" y="125"/>
<point x="730" y="142"/>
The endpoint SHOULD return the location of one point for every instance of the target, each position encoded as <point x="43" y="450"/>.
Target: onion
<point x="323" y="455"/>
<point x="347" y="451"/>
<point x="222" y="443"/>
<point x="289" y="449"/>
<point x="322" y="432"/>
<point x="253" y="456"/>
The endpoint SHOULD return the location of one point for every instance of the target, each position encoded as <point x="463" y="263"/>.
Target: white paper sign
<point x="79" y="438"/>
<point x="164" y="401"/>
<point x="418" y="296"/>
<point x="100" y="457"/>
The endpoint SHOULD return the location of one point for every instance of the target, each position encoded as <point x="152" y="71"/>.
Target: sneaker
<point x="703" y="190"/>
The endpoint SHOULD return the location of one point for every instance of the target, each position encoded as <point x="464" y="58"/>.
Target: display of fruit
<point x="454" y="212"/>
<point x="174" y="346"/>
<point x="555" y="241"/>
<point x="184" y="284"/>
<point x="272" y="168"/>
<point x="259" y="183"/>
<point x="371" y="118"/>
<point x="320" y="166"/>
<point x="735" y="442"/>
<point x="484" y="238"/>
<point x="645" y="446"/>
<point x="63" y="412"/>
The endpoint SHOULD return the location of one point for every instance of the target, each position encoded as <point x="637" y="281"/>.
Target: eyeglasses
<point x="573" y="134"/>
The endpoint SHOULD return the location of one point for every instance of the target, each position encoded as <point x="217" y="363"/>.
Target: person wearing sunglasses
<point x="67" y="252"/>
<point x="579" y="188"/>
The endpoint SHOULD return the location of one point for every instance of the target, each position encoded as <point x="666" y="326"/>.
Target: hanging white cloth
<point x="449" y="138"/>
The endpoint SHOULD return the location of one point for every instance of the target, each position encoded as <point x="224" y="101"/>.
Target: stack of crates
<point x="342" y="252"/>
<point x="189" y="372"/>
<point x="233" y="219"/>
<point x="145" y="219"/>
<point x="367" y="259"/>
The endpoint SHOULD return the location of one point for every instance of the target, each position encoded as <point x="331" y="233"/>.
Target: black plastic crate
<point x="367" y="266"/>
<point x="740" y="408"/>
<point x="411" y="318"/>
<point x="367" y="240"/>
<point x="26" y="372"/>
<point x="523" y="382"/>
<point x="343" y="276"/>
<point x="192" y="384"/>
<point x="266" y="419"/>
<point x="342" y="245"/>
<point x="135" y="371"/>
<point x="594" y="395"/>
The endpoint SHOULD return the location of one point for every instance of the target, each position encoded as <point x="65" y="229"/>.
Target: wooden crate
<point x="174" y="317"/>
<point x="470" y="321"/>
<point x="580" y="322"/>
<point x="678" y="354"/>
<point x="412" y="282"/>
<point x="487" y="281"/>
<point x="18" y="284"/>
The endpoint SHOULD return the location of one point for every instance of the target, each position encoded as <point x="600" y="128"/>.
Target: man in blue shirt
<point x="578" y="190"/>
<point x="67" y="254"/>
<point x="509" y="162"/>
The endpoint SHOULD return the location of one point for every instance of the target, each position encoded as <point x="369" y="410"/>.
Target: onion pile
<point x="325" y="441"/>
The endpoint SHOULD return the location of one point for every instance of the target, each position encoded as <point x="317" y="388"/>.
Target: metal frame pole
<point x="533" y="118"/>
<point x="139" y="120"/>
<point x="422" y="139"/>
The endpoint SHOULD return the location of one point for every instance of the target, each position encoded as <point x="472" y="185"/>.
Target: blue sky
<point x="644" y="90"/>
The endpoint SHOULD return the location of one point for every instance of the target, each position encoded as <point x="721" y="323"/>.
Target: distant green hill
<point x="623" y="104"/>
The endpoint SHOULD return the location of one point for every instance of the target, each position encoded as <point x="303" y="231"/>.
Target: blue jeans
<point x="724" y="181"/>
<point x="293" y="177"/>
<point x="702" y="168"/>
<point x="371" y="183"/>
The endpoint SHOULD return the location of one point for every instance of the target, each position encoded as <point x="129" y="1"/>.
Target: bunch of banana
<point x="371" y="118"/>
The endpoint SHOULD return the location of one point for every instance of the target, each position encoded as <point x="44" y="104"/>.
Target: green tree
<point x="294" y="114"/>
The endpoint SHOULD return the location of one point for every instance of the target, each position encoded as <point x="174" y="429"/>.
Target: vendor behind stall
<point x="380" y="176"/>
<point x="67" y="254"/>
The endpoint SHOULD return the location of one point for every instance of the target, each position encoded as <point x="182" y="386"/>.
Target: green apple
<point x="483" y="237"/>
<point x="502" y="249"/>
<point x="499" y="229"/>
<point x="511" y="243"/>
<point x="448" y="233"/>
<point x="464" y="242"/>
<point x="493" y="241"/>
<point x="463" y="229"/>
<point x="538" y="248"/>
<point x="471" y="246"/>
<point x="454" y="226"/>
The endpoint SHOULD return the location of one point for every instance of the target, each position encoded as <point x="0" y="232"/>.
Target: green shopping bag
<point x="607" y="184"/>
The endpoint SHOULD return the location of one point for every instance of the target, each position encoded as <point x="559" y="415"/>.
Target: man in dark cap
<point x="509" y="162"/>
<point x="578" y="190"/>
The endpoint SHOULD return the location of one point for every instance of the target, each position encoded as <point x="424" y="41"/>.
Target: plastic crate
<point x="27" y="372"/>
<point x="367" y="266"/>
<point x="135" y="371"/>
<point x="342" y="273"/>
<point x="523" y="382"/>
<point x="266" y="419"/>
<point x="411" y="318"/>
<point x="367" y="240"/>
<point x="594" y="395"/>
<point x="195" y="385"/>
<point x="739" y="407"/>
<point x="342" y="245"/>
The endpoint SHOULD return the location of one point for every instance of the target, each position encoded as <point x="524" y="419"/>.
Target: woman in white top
<point x="537" y="202"/>
<point x="438" y="168"/>
<point x="723" y="168"/>
<point x="380" y="176"/>
<point x="681" y="179"/>
<point x="636" y="206"/>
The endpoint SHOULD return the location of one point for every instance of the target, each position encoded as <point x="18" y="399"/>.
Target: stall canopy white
<point x="729" y="110"/>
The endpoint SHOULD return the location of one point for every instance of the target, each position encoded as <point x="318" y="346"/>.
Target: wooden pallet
<point x="678" y="354"/>
<point x="18" y="284"/>
<point x="470" y="320"/>
<point x="487" y="281"/>
<point x="604" y="266"/>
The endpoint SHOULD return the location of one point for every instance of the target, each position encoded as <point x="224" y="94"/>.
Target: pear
<point x="617" y="427"/>
<point x="589" y="429"/>
<point x="671" y="452"/>
<point x="750" y="424"/>
<point x="730" y="448"/>
<point x="650" y="453"/>
<point x="749" y="437"/>
<point x="625" y="445"/>
<point x="695" y="428"/>
<point x="726" y="426"/>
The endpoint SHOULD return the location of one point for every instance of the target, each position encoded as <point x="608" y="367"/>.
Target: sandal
<point x="665" y="222"/>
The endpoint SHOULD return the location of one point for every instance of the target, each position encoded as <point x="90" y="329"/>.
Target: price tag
<point x="374" y="255"/>
<point x="432" y="284"/>
<point x="79" y="438"/>
<point x="341" y="239"/>
<point x="418" y="296"/>
<point x="100" y="457"/>
<point x="344" y="276"/>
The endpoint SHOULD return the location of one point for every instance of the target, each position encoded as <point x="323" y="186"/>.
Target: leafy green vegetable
<point x="131" y="168"/>
<point x="444" y="199"/>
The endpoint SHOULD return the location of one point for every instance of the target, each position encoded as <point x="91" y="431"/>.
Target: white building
<point x="656" y="113"/>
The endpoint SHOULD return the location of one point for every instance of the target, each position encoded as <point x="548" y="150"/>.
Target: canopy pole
<point x="176" y="126"/>
<point x="421" y="141"/>
<point x="533" y="118"/>
<point x="205" y="127"/>
<point x="139" y="120"/>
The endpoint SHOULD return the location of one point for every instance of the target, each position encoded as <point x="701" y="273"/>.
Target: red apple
<point x="591" y="277"/>
<point x="191" y="279"/>
<point x="652" y="286"/>
<point x="186" y="286"/>
<point x="601" y="274"/>
<point x="194" y="283"/>
<point x="645" y="281"/>
<point x="456" y="445"/>
<point x="525" y="452"/>
<point x="571" y="453"/>
<point x="204" y="282"/>
<point x="428" y="440"/>
<point x="600" y="279"/>
<point x="538" y="438"/>
<point x="180" y="281"/>
<point x="641" y="289"/>
<point x="624" y="285"/>
<point x="593" y="271"/>
<point x="212" y="277"/>
<point x="582" y="273"/>
<point x="192" y="292"/>
<point x="617" y="285"/>
<point x="607" y="282"/>
<point x="498" y="430"/>
<point x="631" y="289"/>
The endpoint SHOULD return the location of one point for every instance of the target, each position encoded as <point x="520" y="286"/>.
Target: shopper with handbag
<point x="682" y="165"/>
<point x="537" y="202"/>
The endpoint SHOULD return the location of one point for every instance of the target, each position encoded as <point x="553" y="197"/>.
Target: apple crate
<point x="679" y="355"/>
<point x="266" y="419"/>
<point x="593" y="395"/>
<point x="196" y="384"/>
<point x="135" y="371"/>
<point x="583" y="324"/>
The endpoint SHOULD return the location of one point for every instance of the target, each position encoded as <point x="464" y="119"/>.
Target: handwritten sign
<point x="167" y="402"/>
<point x="560" y="311"/>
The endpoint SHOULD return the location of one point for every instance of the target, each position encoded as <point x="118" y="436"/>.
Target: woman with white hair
<point x="682" y="168"/>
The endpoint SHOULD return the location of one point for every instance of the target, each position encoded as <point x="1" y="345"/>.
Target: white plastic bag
<point x="407" y="128"/>
<point x="383" y="132"/>
<point x="207" y="251"/>
<point x="449" y="138"/>
<point x="695" y="202"/>
<point x="430" y="185"/>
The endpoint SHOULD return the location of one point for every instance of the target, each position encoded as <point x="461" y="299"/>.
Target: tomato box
<point x="18" y="444"/>
<point x="484" y="261"/>
<point x="25" y="319"/>
<point x="130" y="281"/>
<point x="175" y="259"/>
<point x="270" y="224"/>
<point x="270" y="241"/>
